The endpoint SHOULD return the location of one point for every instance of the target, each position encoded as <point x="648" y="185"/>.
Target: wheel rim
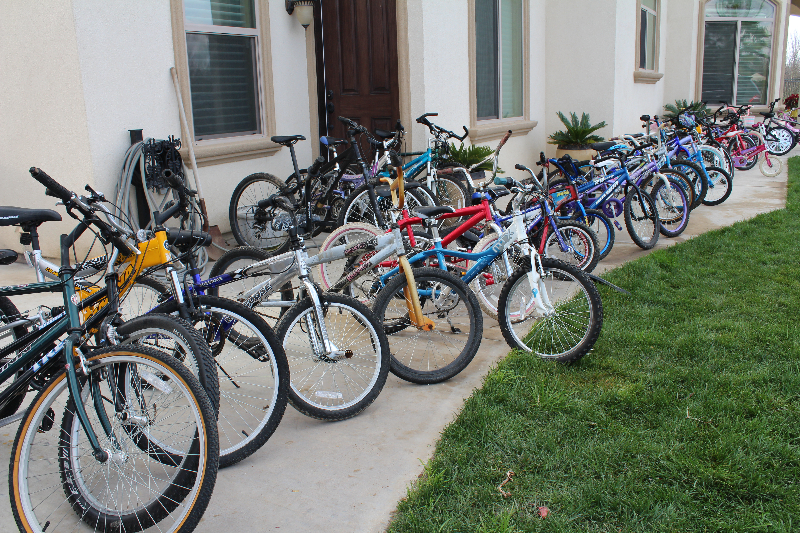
<point x="333" y="385"/>
<point x="557" y="335"/>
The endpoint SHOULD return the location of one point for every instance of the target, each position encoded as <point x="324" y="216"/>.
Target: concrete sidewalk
<point x="348" y="476"/>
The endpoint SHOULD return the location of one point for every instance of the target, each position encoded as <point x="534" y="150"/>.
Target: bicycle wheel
<point x="779" y="140"/>
<point x="142" y="297"/>
<point x="8" y="314"/>
<point x="237" y="258"/>
<point x="178" y="339"/>
<point x="566" y="335"/>
<point x="738" y="145"/>
<point x="641" y="219"/>
<point x="451" y="192"/>
<point x="253" y="373"/>
<point x="696" y="176"/>
<point x="341" y="384"/>
<point x="672" y="205"/>
<point x="55" y="483"/>
<point x="770" y="167"/>
<point x="581" y="245"/>
<point x="720" y="186"/>
<point x="358" y="208"/>
<point x="330" y="272"/>
<point x="250" y="225"/>
<point x="489" y="282"/>
<point x="603" y="229"/>
<point x="421" y="355"/>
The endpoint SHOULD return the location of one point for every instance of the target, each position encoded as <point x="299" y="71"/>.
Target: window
<point x="499" y="59"/>
<point x="222" y="48"/>
<point x="737" y="49"/>
<point x="648" y="26"/>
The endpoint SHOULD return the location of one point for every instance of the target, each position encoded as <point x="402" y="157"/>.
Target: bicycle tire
<point x="9" y="313"/>
<point x="779" y="140"/>
<point x="142" y="297"/>
<point x="696" y="176"/>
<point x="357" y="207"/>
<point x="582" y="243"/>
<point x="446" y="360"/>
<point x="672" y="205"/>
<point x="314" y="389"/>
<point x="559" y="337"/>
<point x="177" y="338"/>
<point x="451" y="192"/>
<point x="720" y="187"/>
<point x="332" y="271"/>
<point x="635" y="217"/>
<point x="770" y="168"/>
<point x="603" y="228"/>
<point x="248" y="223"/>
<point x="178" y="494"/>
<point x="749" y="142"/>
<point x="252" y="370"/>
<point x="238" y="258"/>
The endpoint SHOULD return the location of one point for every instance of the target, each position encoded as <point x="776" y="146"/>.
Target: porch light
<point x="305" y="11"/>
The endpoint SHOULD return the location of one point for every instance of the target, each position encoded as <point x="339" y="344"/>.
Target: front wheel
<point x="573" y="327"/>
<point x="770" y="166"/>
<point x="641" y="219"/>
<point x="436" y="352"/>
<point x="720" y="186"/>
<point x="55" y="483"/>
<point x="339" y="384"/>
<point x="673" y="206"/>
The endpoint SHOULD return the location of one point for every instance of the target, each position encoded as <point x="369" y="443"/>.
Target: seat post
<point x="294" y="161"/>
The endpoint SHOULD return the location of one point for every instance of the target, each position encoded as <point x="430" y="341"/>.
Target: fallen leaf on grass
<point x="544" y="511"/>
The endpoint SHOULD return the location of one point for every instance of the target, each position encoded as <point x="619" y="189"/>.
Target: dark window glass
<point x="719" y="61"/>
<point x="486" y="51"/>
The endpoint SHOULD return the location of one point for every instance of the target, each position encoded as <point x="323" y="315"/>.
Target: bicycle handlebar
<point x="503" y="140"/>
<point x="53" y="187"/>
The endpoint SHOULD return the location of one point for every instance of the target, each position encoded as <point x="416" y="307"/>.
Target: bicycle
<point x="141" y="387"/>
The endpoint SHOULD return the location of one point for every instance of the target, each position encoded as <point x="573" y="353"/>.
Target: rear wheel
<point x="488" y="283"/>
<point x="430" y="354"/>
<point x="8" y="314"/>
<point x="603" y="229"/>
<point x="358" y="208"/>
<point x="672" y="205"/>
<point x="779" y="140"/>
<point x="580" y="242"/>
<point x="251" y="225"/>
<point x="740" y="144"/>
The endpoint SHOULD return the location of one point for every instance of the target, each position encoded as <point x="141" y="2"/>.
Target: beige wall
<point x="42" y="111"/>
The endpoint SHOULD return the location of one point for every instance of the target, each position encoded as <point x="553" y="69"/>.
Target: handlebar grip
<point x="462" y="137"/>
<point x="57" y="190"/>
<point x="503" y="181"/>
<point x="504" y="139"/>
<point x="315" y="166"/>
<point x="422" y="119"/>
<point x="520" y="166"/>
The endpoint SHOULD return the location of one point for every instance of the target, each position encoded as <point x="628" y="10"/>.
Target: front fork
<point x="535" y="277"/>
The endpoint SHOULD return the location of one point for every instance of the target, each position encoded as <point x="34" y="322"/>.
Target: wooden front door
<point x="357" y="64"/>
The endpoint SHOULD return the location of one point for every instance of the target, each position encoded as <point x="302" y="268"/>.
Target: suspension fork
<point x="535" y="278"/>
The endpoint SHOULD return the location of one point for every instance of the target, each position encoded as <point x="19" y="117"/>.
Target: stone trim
<point x="646" y="76"/>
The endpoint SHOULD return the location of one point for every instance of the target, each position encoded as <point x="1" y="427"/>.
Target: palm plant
<point x="698" y="109"/>
<point x="577" y="134"/>
<point x="469" y="155"/>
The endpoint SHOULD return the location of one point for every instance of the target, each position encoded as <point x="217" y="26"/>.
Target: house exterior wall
<point x="97" y="69"/>
<point x="42" y="111"/>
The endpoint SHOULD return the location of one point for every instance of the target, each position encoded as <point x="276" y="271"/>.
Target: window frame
<point x="225" y="149"/>
<point x="781" y="13"/>
<point x="642" y="75"/>
<point x="488" y="129"/>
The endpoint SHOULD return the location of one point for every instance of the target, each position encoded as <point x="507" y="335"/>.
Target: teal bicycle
<point x="119" y="438"/>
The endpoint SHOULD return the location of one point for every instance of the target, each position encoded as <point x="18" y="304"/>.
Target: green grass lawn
<point x="685" y="417"/>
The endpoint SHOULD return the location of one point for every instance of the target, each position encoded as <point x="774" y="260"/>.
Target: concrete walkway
<point x="348" y="476"/>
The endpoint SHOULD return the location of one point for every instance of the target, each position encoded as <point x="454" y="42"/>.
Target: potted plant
<point x="576" y="137"/>
<point x="791" y="103"/>
<point x="698" y="109"/>
<point x="467" y="156"/>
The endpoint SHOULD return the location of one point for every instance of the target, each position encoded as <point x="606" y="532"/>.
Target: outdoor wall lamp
<point x="305" y="11"/>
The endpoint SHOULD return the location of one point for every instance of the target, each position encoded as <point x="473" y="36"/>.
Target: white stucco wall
<point x="580" y="61"/>
<point x="679" y="57"/>
<point x="632" y="100"/>
<point x="42" y="111"/>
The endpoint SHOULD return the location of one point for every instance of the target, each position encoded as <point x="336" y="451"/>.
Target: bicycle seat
<point x="12" y="216"/>
<point x="602" y="146"/>
<point x="331" y="141"/>
<point x="383" y="134"/>
<point x="426" y="212"/>
<point x="7" y="257"/>
<point x="287" y="140"/>
<point x="184" y="239"/>
<point x="497" y="192"/>
<point x="767" y="115"/>
<point x="383" y="190"/>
